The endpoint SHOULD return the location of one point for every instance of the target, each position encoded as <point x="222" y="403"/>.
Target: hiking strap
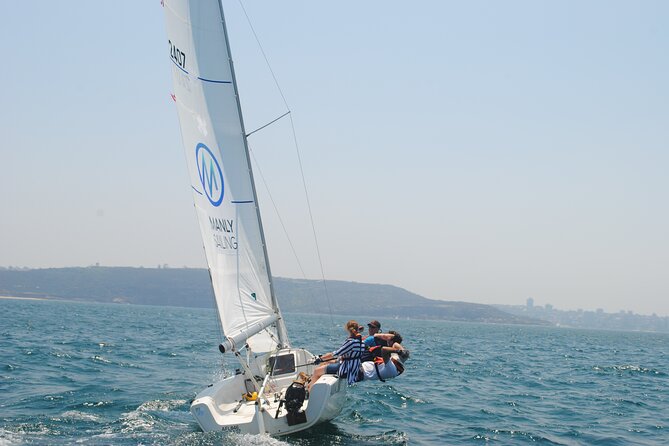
<point x="376" y="366"/>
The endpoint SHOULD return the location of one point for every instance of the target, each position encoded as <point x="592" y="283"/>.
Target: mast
<point x="275" y="306"/>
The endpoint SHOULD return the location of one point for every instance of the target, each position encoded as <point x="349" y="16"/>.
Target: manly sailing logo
<point x="211" y="176"/>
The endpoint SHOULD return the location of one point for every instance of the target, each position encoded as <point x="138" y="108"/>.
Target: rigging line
<point x="276" y="82"/>
<point x="272" y="337"/>
<point x="247" y="369"/>
<point x="276" y="209"/>
<point x="311" y="217"/>
<point x="268" y="124"/>
<point x="283" y="226"/>
<point x="297" y="149"/>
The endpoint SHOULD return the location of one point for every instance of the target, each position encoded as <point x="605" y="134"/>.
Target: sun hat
<point x="376" y="324"/>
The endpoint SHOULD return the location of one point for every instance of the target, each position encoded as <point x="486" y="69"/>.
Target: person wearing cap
<point x="373" y="327"/>
<point x="375" y="337"/>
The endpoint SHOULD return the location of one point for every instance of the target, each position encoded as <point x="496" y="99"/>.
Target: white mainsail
<point x="212" y="129"/>
<point x="214" y="140"/>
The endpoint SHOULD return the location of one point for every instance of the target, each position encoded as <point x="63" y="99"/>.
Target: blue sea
<point x="102" y="374"/>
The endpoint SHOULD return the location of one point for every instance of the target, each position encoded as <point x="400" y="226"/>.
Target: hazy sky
<point x="476" y="151"/>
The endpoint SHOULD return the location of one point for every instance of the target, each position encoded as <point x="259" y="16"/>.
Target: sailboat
<point x="253" y="329"/>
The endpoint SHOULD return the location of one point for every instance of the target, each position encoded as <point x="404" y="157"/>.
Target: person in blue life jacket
<point x="376" y="339"/>
<point x="348" y="356"/>
<point x="375" y="336"/>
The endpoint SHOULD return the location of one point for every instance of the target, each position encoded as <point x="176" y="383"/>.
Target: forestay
<point x="219" y="166"/>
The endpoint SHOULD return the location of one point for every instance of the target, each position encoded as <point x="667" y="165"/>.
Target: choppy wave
<point x="9" y="438"/>
<point x="253" y="440"/>
<point x="99" y="358"/>
<point x="161" y="405"/>
<point x="97" y="404"/>
<point x="630" y="369"/>
<point x="121" y="375"/>
<point x="75" y="415"/>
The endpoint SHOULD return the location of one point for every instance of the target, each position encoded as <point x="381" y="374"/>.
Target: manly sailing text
<point x="224" y="233"/>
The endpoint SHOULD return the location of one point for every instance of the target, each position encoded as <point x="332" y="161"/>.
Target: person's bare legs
<point x="320" y="371"/>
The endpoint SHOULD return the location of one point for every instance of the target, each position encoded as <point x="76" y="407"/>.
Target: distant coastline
<point x="24" y="298"/>
<point x="191" y="287"/>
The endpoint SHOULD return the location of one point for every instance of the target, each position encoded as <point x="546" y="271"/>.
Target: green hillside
<point x="192" y="288"/>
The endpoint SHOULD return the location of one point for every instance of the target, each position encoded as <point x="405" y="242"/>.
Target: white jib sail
<point x="220" y="172"/>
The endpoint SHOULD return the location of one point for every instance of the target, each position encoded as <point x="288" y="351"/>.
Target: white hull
<point x="218" y="406"/>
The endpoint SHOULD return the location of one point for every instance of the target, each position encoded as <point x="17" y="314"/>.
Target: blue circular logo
<point x="211" y="176"/>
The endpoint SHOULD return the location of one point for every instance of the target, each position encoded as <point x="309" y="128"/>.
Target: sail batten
<point x="219" y="168"/>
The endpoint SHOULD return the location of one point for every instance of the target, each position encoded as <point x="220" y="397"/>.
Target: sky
<point x="475" y="151"/>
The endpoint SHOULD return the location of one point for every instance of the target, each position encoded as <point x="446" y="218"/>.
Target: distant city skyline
<point x="591" y="319"/>
<point x="483" y="152"/>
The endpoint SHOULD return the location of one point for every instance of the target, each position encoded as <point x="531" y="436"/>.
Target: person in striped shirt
<point x="349" y="355"/>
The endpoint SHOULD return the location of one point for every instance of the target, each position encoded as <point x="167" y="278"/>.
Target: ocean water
<point x="113" y="374"/>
